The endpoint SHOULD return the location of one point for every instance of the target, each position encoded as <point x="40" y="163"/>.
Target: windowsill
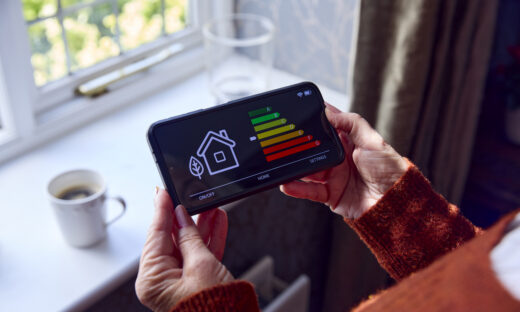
<point x="37" y="268"/>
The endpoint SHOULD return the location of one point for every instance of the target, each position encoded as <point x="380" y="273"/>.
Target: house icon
<point x="217" y="151"/>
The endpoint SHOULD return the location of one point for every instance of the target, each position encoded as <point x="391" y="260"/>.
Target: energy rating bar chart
<point x="276" y="137"/>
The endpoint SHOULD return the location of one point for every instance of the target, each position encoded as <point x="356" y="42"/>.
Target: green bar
<point x="276" y="131"/>
<point x="260" y="119"/>
<point x="271" y="124"/>
<point x="260" y="111"/>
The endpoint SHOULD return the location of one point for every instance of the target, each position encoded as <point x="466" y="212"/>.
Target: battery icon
<point x="307" y="92"/>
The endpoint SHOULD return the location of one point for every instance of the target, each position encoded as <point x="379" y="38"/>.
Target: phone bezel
<point x="165" y="176"/>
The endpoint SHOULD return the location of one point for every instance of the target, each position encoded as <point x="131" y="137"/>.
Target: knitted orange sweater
<point x="411" y="230"/>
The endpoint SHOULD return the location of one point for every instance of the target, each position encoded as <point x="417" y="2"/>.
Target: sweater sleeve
<point x="234" y="296"/>
<point x="411" y="226"/>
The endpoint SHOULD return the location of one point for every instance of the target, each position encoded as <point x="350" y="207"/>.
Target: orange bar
<point x="287" y="144"/>
<point x="294" y="150"/>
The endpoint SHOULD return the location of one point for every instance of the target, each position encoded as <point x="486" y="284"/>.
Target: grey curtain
<point x="418" y="77"/>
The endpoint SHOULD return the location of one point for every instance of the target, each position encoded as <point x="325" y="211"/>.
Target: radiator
<point x="274" y="294"/>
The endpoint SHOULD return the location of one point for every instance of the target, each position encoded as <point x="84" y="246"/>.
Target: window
<point x="219" y="156"/>
<point x="72" y="42"/>
<point x="51" y="48"/>
<point x="69" y="35"/>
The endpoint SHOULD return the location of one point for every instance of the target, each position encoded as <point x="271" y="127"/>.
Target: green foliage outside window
<point x="91" y="33"/>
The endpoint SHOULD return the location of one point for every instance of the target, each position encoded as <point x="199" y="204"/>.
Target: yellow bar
<point x="276" y="131"/>
<point x="281" y="138"/>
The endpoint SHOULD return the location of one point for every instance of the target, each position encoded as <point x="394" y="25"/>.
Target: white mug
<point x="82" y="220"/>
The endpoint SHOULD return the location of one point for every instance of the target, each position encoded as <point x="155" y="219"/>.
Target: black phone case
<point x="156" y="153"/>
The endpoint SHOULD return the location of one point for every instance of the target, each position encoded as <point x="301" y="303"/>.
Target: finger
<point x="162" y="220"/>
<point x="187" y="236"/>
<point x="317" y="177"/>
<point x="307" y="190"/>
<point x="333" y="108"/>
<point x="204" y="223"/>
<point x="341" y="121"/>
<point x="358" y="129"/>
<point x="159" y="241"/>
<point x="219" y="231"/>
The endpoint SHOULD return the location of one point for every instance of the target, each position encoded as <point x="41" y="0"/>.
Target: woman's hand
<point x="179" y="258"/>
<point x="370" y="168"/>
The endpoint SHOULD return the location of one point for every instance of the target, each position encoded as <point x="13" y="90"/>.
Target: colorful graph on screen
<point x="277" y="136"/>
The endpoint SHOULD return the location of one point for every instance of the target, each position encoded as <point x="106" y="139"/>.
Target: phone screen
<point x="220" y="154"/>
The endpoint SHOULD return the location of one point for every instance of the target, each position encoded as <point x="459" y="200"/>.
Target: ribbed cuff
<point x="411" y="226"/>
<point x="234" y="296"/>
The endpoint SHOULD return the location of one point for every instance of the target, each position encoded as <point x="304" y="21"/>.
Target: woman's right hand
<point x="370" y="168"/>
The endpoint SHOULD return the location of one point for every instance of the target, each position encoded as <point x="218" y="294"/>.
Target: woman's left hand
<point x="180" y="259"/>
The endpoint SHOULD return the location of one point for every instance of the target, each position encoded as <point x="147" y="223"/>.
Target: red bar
<point x="287" y="144"/>
<point x="293" y="150"/>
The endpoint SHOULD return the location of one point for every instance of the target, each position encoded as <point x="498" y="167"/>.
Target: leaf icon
<point x="196" y="167"/>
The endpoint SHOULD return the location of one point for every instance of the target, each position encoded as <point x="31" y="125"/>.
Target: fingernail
<point x="183" y="219"/>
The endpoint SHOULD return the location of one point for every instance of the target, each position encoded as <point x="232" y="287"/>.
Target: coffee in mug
<point x="77" y="192"/>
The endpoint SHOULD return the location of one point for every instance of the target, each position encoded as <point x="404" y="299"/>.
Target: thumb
<point x="356" y="127"/>
<point x="342" y="121"/>
<point x="187" y="235"/>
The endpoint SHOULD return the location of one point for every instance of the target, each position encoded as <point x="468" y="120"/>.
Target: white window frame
<point x="33" y="115"/>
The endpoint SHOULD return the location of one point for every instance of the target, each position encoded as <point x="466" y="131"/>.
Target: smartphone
<point x="215" y="156"/>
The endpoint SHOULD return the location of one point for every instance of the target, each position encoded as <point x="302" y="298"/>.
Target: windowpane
<point x="175" y="15"/>
<point x="91" y="36"/>
<point x="140" y="21"/>
<point x="48" y="51"/>
<point x="33" y="9"/>
<point x="75" y="34"/>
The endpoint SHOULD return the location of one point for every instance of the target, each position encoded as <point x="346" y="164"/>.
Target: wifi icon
<point x="299" y="94"/>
